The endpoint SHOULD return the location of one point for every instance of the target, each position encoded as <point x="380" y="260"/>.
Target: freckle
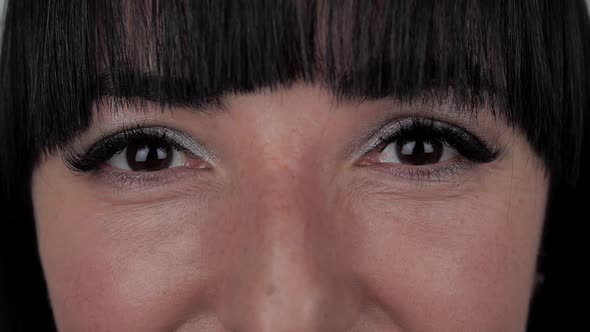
<point x="270" y="289"/>
<point x="245" y="250"/>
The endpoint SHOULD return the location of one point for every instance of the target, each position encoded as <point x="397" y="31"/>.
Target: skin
<point x="286" y="231"/>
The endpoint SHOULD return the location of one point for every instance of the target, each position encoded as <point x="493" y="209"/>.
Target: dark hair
<point x="528" y="59"/>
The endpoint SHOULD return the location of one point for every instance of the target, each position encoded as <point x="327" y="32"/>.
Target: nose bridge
<point x="283" y="197"/>
<point x="280" y="281"/>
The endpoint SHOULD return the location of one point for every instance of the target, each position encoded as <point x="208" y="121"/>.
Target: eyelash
<point x="472" y="151"/>
<point x="106" y="147"/>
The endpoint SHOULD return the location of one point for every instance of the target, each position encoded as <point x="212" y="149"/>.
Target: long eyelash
<point x="108" y="146"/>
<point x="469" y="146"/>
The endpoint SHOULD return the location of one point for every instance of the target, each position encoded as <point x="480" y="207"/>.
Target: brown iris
<point x="149" y="155"/>
<point x="419" y="151"/>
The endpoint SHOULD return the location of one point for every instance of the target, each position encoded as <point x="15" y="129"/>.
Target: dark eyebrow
<point x="129" y="84"/>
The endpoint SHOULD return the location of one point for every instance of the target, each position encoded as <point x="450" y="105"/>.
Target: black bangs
<point x="528" y="58"/>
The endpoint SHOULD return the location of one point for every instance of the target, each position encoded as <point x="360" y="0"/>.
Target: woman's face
<point x="288" y="211"/>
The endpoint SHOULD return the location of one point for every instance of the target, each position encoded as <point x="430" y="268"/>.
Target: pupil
<point x="148" y="156"/>
<point x="419" y="151"/>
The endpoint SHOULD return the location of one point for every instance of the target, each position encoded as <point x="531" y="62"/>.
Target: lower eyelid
<point x="448" y="171"/>
<point x="140" y="181"/>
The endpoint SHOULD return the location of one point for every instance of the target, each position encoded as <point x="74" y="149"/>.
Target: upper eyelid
<point x="440" y="128"/>
<point x="386" y="130"/>
<point x="173" y="136"/>
<point x="186" y="142"/>
<point x="391" y="128"/>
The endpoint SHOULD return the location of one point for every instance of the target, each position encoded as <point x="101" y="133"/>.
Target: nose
<point x="287" y="275"/>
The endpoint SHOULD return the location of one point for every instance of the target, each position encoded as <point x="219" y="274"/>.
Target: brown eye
<point x="416" y="152"/>
<point x="419" y="152"/>
<point x="424" y="149"/>
<point x="147" y="155"/>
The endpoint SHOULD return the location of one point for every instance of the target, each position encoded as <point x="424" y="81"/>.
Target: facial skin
<point x="285" y="228"/>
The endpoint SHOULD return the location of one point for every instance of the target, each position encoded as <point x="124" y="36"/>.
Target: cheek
<point x="431" y="263"/>
<point x="467" y="260"/>
<point x="145" y="267"/>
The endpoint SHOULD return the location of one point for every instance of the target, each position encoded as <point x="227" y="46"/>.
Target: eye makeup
<point x="469" y="149"/>
<point x="466" y="149"/>
<point x="105" y="147"/>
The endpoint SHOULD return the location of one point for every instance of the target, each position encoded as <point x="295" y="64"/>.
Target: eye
<point x="147" y="155"/>
<point x="417" y="147"/>
<point x="417" y="151"/>
<point x="142" y="150"/>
